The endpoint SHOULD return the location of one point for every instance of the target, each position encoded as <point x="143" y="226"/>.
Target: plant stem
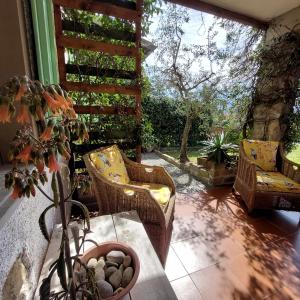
<point x="68" y="260"/>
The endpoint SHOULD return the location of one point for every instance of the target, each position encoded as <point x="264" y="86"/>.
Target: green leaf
<point x="46" y="285"/>
<point x="85" y="211"/>
<point x="42" y="223"/>
<point x="61" y="268"/>
<point x="45" y="289"/>
<point x="54" y="189"/>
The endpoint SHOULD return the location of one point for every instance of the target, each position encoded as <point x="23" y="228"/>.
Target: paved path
<point x="185" y="183"/>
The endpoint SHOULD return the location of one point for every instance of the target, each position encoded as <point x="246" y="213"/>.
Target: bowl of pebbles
<point x="116" y="268"/>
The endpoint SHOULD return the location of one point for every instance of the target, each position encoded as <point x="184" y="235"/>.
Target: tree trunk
<point x="276" y="91"/>
<point x="184" y="140"/>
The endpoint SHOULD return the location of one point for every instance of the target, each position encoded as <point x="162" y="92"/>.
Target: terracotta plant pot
<point x="103" y="249"/>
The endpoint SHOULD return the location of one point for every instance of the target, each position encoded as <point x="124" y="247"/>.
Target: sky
<point x="195" y="33"/>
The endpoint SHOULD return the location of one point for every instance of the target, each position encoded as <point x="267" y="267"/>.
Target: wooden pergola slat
<point x="101" y="88"/>
<point x="99" y="72"/>
<point x="96" y="29"/>
<point x="106" y="110"/>
<point x="117" y="8"/>
<point x="100" y="7"/>
<point x="92" y="45"/>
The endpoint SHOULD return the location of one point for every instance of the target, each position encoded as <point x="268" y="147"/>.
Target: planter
<point x="204" y="162"/>
<point x="220" y="175"/>
<point x="102" y="250"/>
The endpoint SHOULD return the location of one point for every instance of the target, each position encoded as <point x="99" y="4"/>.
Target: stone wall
<point x="283" y="24"/>
<point x="275" y="93"/>
<point x="23" y="246"/>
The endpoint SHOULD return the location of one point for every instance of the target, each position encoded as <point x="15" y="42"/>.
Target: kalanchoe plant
<point x="30" y="154"/>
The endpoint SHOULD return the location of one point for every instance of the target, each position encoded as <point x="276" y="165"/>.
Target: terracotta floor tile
<point x="191" y="221"/>
<point x="288" y="222"/>
<point x="284" y="294"/>
<point x="174" y="268"/>
<point x="254" y="233"/>
<point x="199" y="253"/>
<point x="185" y="289"/>
<point x="288" y="254"/>
<point x="259" y="255"/>
<point x="217" y="282"/>
<point x="260" y="270"/>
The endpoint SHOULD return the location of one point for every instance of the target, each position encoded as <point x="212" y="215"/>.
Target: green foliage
<point x="149" y="141"/>
<point x="217" y="148"/>
<point x="168" y="122"/>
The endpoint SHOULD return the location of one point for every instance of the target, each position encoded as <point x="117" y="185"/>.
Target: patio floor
<point x="219" y="252"/>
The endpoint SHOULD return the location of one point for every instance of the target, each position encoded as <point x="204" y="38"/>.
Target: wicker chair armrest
<point x="246" y="170"/>
<point x="289" y="168"/>
<point x="145" y="173"/>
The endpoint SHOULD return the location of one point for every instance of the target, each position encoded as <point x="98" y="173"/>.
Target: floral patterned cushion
<point x="161" y="193"/>
<point x="276" y="182"/>
<point x="110" y="164"/>
<point x="262" y="153"/>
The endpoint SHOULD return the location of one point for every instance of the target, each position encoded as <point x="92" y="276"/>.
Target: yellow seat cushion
<point x="161" y="193"/>
<point x="110" y="164"/>
<point x="276" y="182"/>
<point x="262" y="153"/>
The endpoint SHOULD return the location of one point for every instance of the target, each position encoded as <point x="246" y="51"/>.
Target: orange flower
<point x="53" y="104"/>
<point x="23" y="116"/>
<point x="22" y="90"/>
<point x="4" y="113"/>
<point x="16" y="191"/>
<point x="63" y="103"/>
<point x="52" y="163"/>
<point x="86" y="136"/>
<point x="46" y="134"/>
<point x="70" y="102"/>
<point x="40" y="113"/>
<point x="71" y="113"/>
<point x="40" y="164"/>
<point x="25" y="154"/>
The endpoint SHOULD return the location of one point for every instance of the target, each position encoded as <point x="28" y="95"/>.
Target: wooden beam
<point x="101" y="88"/>
<point x="60" y="50"/>
<point x="222" y="12"/>
<point x="98" y="30"/>
<point x="84" y="148"/>
<point x="138" y="69"/>
<point x="100" y="8"/>
<point x="92" y="45"/>
<point x="94" y="71"/>
<point x="105" y="110"/>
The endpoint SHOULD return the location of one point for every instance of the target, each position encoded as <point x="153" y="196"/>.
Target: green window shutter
<point x="44" y="35"/>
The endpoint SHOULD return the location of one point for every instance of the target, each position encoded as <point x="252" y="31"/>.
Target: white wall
<point x="13" y="57"/>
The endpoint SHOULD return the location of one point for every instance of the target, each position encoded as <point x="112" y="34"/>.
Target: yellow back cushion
<point x="110" y="164"/>
<point x="262" y="153"/>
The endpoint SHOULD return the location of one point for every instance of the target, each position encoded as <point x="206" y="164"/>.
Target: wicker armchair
<point x="112" y="198"/>
<point x="257" y="194"/>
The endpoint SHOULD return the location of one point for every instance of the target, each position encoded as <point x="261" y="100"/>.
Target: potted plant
<point x="30" y="154"/>
<point x="218" y="161"/>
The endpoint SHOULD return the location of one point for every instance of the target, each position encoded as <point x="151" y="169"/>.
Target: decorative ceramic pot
<point x="103" y="249"/>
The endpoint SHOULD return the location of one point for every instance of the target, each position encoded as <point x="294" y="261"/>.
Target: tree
<point x="185" y="67"/>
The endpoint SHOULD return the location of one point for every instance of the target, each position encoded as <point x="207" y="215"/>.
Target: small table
<point x="152" y="283"/>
